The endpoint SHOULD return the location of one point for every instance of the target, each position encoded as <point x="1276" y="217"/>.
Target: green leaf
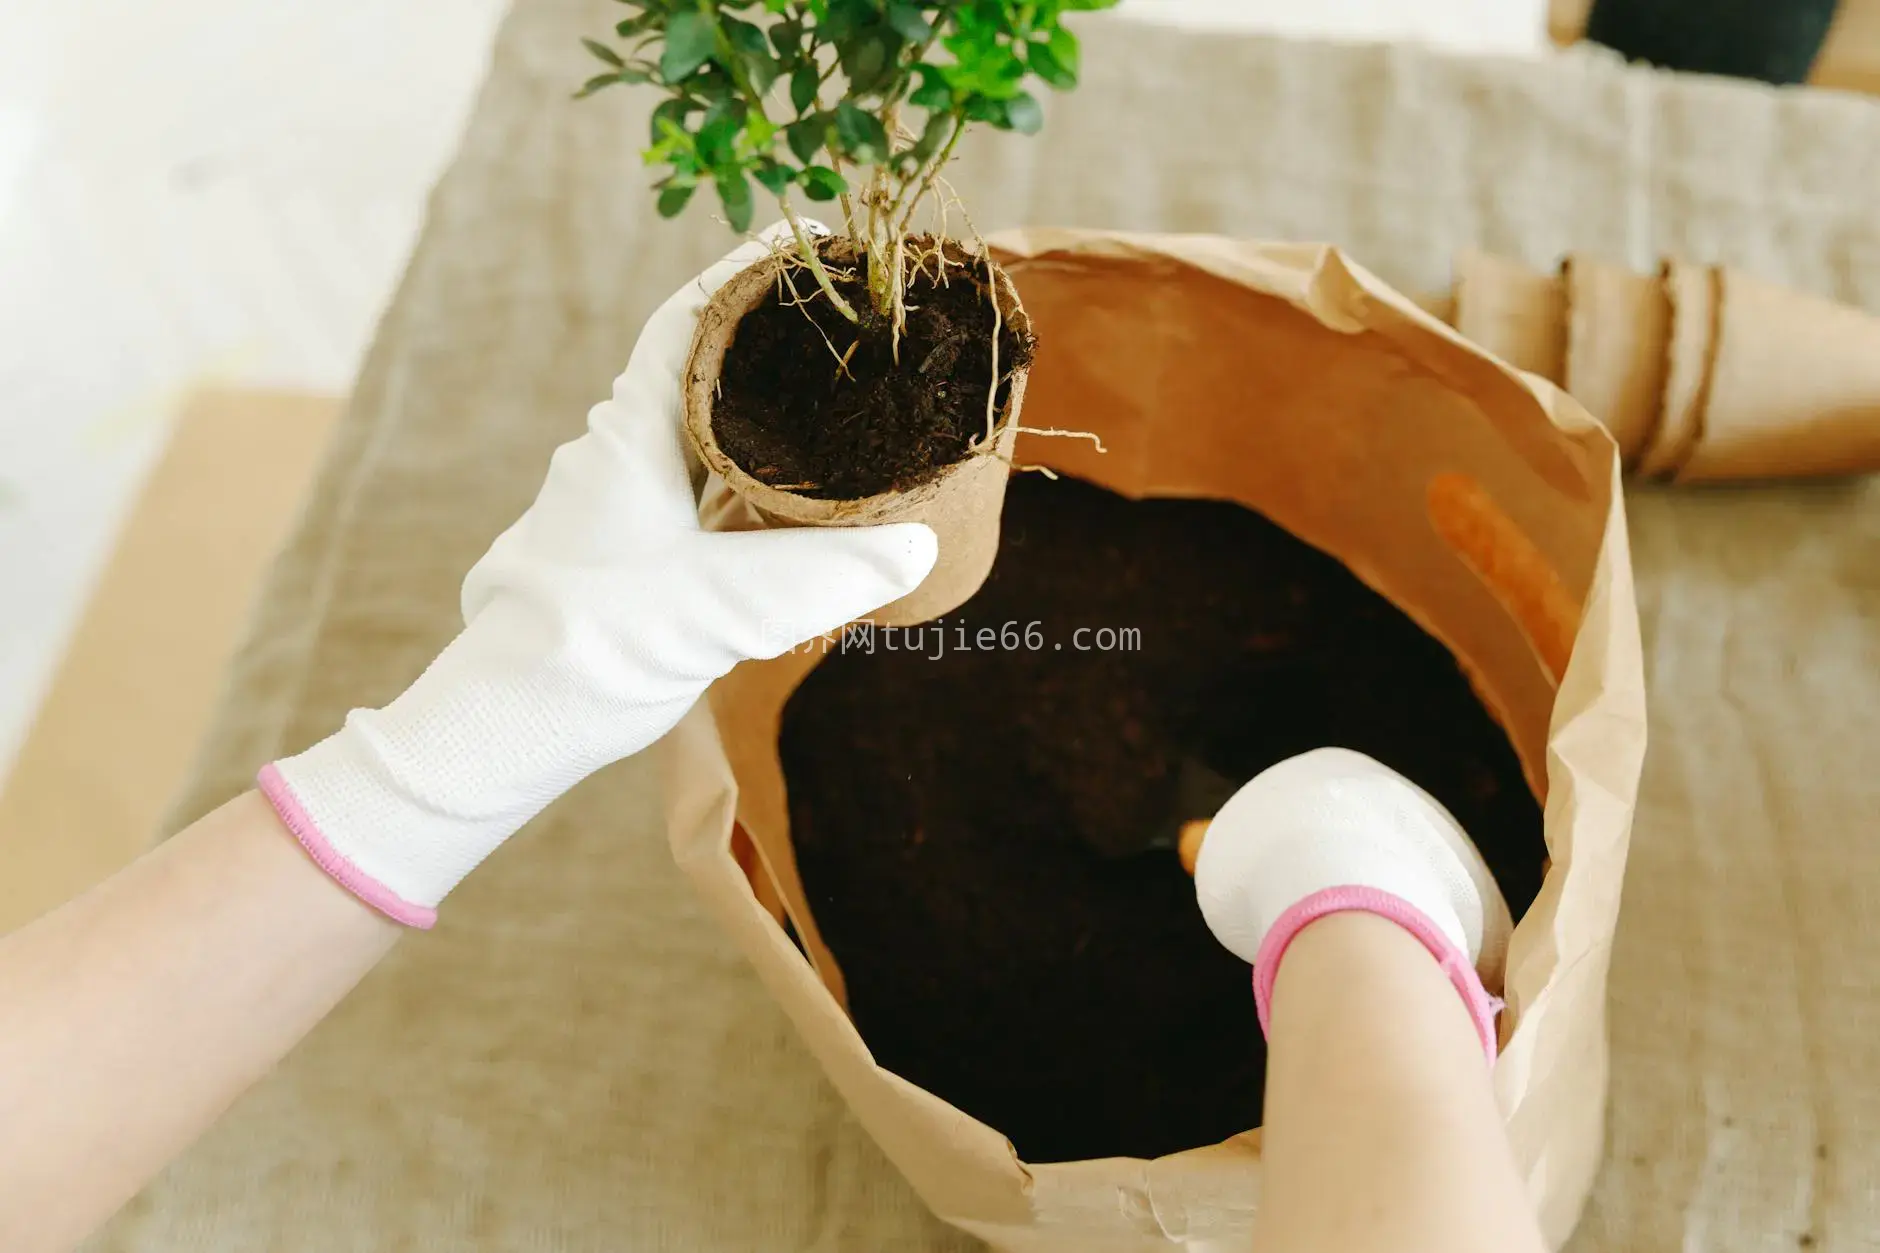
<point x="1056" y="61"/>
<point x="939" y="127"/>
<point x="775" y="176"/>
<point x="1063" y="45"/>
<point x="868" y="60"/>
<point x="992" y="17"/>
<point x="718" y="132"/>
<point x="841" y="19"/>
<point x="632" y="74"/>
<point x="803" y="86"/>
<point x="605" y="53"/>
<point x="710" y="85"/>
<point x="807" y="137"/>
<point x="861" y="133"/>
<point x="735" y="194"/>
<point x="690" y="42"/>
<point x="933" y="92"/>
<point x="787" y="37"/>
<point x="763" y="71"/>
<point x="745" y="37"/>
<point x="985" y="66"/>
<point x="595" y="84"/>
<point x="907" y="21"/>
<point x="1024" y="114"/>
<point x="634" y="25"/>
<point x="670" y="113"/>
<point x="822" y="183"/>
<point x="673" y="198"/>
<point x="1087" y="6"/>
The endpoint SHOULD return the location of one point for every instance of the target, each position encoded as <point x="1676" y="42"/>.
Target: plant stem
<point x="877" y="244"/>
<point x="815" y="265"/>
<point x="755" y="100"/>
<point x="920" y="54"/>
<point x="927" y="176"/>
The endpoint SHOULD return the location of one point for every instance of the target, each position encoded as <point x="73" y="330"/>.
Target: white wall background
<point x="228" y="189"/>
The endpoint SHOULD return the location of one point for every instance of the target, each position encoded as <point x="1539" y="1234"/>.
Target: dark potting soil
<point x="811" y="402"/>
<point x="946" y="802"/>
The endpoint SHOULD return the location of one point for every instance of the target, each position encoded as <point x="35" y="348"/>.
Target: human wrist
<point x="1455" y="963"/>
<point x="1334" y="831"/>
<point x="402" y="802"/>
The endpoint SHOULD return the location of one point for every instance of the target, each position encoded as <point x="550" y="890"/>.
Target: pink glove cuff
<point x="295" y="818"/>
<point x="1455" y="963"/>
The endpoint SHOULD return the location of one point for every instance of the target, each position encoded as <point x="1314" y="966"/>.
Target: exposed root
<point x="791" y="263"/>
<point x="933" y="250"/>
<point x="980" y="449"/>
<point x="998" y="323"/>
<point x="897" y="302"/>
<point x="798" y="301"/>
<point x="951" y="197"/>
<point x="1092" y="436"/>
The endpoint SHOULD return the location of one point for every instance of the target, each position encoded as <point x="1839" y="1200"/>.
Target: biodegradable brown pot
<point x="1482" y="501"/>
<point x="1793" y="390"/>
<point x="1702" y="373"/>
<point x="962" y="504"/>
<point x="1618" y="323"/>
<point x="1515" y="313"/>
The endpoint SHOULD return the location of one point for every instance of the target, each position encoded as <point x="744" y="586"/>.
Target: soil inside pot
<point x="946" y="803"/>
<point x="815" y="404"/>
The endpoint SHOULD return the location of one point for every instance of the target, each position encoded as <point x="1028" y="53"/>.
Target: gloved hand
<point x="590" y="628"/>
<point x="1334" y="830"/>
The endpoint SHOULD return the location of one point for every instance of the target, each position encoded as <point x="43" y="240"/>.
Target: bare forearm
<point x="1382" y="1131"/>
<point x="133" y="1017"/>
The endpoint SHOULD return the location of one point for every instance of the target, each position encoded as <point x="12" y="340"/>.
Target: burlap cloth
<point x="575" y="1060"/>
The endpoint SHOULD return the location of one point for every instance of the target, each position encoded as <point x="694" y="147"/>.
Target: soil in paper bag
<point x="946" y="811"/>
<point x="812" y="403"/>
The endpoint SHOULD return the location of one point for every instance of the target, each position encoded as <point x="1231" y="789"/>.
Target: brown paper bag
<point x="1286" y="378"/>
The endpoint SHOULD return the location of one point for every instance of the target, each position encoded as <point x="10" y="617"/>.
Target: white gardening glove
<point x="1333" y="830"/>
<point x="591" y="626"/>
